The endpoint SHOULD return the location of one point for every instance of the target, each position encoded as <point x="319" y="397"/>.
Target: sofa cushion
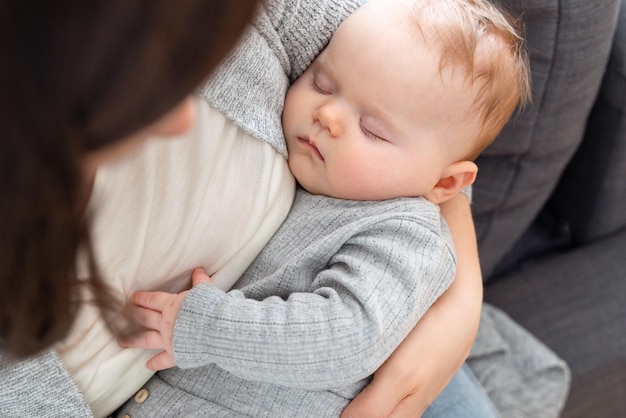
<point x="573" y="303"/>
<point x="591" y="196"/>
<point x="568" y="43"/>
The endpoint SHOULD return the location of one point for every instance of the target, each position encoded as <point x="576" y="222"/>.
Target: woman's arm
<point x="428" y="358"/>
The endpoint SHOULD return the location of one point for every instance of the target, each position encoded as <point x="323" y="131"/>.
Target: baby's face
<point x="374" y="117"/>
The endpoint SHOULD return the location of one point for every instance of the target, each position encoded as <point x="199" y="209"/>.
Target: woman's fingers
<point x="409" y="407"/>
<point x="375" y="401"/>
<point x="392" y="393"/>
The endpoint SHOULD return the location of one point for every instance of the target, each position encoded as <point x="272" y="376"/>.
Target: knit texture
<point x="332" y="295"/>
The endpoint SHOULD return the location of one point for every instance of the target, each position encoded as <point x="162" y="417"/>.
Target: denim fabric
<point x="463" y="397"/>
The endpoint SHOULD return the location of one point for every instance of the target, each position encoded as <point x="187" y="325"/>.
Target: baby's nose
<point x="329" y="116"/>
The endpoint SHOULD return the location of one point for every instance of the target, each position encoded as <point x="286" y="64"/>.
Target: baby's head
<point x="404" y="97"/>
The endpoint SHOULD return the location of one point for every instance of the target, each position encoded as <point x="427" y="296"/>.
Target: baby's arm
<point x="421" y="367"/>
<point x="357" y="312"/>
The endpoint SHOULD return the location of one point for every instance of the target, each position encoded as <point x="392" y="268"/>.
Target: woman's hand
<point x="157" y="311"/>
<point x="424" y="363"/>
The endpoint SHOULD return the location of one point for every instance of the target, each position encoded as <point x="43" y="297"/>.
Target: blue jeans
<point x="464" y="397"/>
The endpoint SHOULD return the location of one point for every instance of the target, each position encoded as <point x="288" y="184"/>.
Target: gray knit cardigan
<point x="329" y="298"/>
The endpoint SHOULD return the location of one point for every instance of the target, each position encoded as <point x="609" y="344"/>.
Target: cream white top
<point x="211" y="198"/>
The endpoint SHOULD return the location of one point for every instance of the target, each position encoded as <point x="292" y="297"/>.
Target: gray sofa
<point x="550" y="199"/>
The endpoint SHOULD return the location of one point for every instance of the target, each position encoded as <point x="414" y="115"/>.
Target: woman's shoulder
<point x="250" y="85"/>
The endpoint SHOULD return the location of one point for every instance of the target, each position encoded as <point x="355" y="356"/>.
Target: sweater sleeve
<point x="356" y="312"/>
<point x="304" y="27"/>
<point x="39" y="387"/>
<point x="250" y="85"/>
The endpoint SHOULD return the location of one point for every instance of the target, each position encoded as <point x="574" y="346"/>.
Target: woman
<point x="110" y="88"/>
<point x="86" y="76"/>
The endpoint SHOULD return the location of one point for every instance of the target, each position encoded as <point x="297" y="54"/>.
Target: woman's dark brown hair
<point x="76" y="76"/>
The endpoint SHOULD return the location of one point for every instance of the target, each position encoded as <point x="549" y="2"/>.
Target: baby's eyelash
<point x="370" y="134"/>
<point x="317" y="88"/>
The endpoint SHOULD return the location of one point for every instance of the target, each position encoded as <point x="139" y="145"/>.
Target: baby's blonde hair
<point x="488" y="43"/>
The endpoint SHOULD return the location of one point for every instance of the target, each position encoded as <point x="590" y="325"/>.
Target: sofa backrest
<point x="569" y="43"/>
<point x="591" y="195"/>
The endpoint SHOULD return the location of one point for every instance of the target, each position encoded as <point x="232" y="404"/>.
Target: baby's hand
<point x="157" y="311"/>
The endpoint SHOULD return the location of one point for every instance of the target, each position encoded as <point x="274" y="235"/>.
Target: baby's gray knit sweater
<point x="329" y="298"/>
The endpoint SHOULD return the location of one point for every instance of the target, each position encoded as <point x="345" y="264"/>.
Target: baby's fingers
<point x="147" y="318"/>
<point x="161" y="361"/>
<point x="199" y="276"/>
<point x="150" y="340"/>
<point x="151" y="300"/>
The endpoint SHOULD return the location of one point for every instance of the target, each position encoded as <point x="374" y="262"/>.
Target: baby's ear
<point x="454" y="178"/>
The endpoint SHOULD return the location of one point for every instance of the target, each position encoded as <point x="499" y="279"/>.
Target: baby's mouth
<point x="306" y="142"/>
